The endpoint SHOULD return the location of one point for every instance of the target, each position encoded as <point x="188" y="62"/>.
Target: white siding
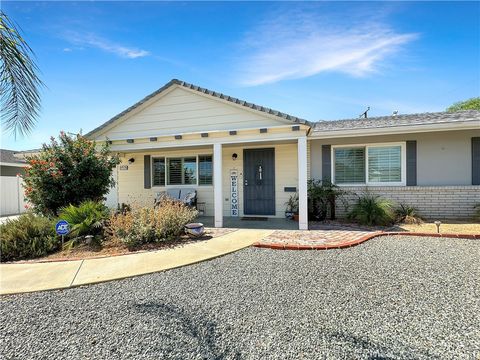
<point x="131" y="190"/>
<point x="181" y="111"/>
<point x="286" y="174"/>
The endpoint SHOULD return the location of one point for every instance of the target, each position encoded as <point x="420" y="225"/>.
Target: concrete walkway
<point x="20" y="278"/>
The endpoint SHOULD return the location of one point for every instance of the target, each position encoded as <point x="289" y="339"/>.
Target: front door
<point x="259" y="181"/>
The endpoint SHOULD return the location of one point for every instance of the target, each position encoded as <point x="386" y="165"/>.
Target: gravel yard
<point x="389" y="298"/>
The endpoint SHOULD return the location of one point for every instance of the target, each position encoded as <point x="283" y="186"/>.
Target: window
<point x="158" y="171"/>
<point x="369" y="164"/>
<point x="350" y="165"/>
<point x="182" y="171"/>
<point x="205" y="170"/>
<point x="384" y="164"/>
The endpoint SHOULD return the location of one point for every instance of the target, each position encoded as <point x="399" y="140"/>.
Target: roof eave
<point x="390" y="130"/>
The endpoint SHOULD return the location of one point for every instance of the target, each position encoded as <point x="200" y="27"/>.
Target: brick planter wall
<point x="432" y="202"/>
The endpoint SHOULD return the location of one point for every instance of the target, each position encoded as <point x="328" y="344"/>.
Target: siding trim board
<point x="327" y="163"/>
<point x="147" y="175"/>
<point x="475" y="160"/>
<point x="411" y="154"/>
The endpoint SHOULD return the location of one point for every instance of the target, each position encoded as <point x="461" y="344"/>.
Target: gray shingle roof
<point x="7" y="156"/>
<point x="279" y="114"/>
<point x="399" y="120"/>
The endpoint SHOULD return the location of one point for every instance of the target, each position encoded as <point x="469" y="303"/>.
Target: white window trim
<point x="403" y="165"/>
<point x="171" y="186"/>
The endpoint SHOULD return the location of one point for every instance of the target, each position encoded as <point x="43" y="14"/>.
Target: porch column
<point x="217" y="185"/>
<point x="302" y="184"/>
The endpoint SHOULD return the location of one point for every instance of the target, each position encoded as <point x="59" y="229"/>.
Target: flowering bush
<point x="68" y="171"/>
<point x="144" y="225"/>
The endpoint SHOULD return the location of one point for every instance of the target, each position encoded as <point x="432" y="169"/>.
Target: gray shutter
<point x="326" y="163"/>
<point x="412" y="163"/>
<point x="476" y="161"/>
<point x="147" y="176"/>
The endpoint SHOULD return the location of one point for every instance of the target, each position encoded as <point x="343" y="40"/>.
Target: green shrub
<point x="85" y="219"/>
<point x="68" y="171"/>
<point x="323" y="196"/>
<point x="408" y="214"/>
<point x="28" y="236"/>
<point x="372" y="210"/>
<point x="145" y="225"/>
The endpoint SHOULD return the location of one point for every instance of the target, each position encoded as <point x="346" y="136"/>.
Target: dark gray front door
<point x="259" y="181"/>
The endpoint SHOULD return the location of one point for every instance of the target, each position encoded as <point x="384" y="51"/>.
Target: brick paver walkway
<point x="315" y="239"/>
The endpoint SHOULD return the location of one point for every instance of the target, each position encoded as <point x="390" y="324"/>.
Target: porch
<point x="249" y="223"/>
<point x="243" y="184"/>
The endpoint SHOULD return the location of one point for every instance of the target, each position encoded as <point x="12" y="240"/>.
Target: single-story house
<point x="11" y="191"/>
<point x="247" y="160"/>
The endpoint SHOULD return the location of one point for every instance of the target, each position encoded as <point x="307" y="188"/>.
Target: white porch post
<point x="302" y="184"/>
<point x="217" y="185"/>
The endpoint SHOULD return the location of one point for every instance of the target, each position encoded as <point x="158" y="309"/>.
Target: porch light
<point x="234" y="156"/>
<point x="131" y="160"/>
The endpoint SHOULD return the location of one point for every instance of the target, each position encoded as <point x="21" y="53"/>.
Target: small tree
<point x="68" y="171"/>
<point x="470" y="104"/>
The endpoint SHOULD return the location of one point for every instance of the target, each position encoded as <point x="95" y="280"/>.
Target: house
<point x="11" y="191"/>
<point x="10" y="164"/>
<point x="247" y="160"/>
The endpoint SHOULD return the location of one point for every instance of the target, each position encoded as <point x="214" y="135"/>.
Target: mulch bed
<point x="115" y="248"/>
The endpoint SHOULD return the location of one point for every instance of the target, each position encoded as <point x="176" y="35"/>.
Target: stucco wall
<point x="443" y="158"/>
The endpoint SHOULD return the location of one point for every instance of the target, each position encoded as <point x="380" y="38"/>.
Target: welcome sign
<point x="234" y="192"/>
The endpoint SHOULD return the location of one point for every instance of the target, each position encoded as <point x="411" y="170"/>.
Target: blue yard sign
<point x="62" y="227"/>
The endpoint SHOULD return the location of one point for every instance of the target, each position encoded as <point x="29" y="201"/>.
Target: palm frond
<point x="19" y="82"/>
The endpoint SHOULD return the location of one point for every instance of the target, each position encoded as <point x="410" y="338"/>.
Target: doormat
<point x="254" y="218"/>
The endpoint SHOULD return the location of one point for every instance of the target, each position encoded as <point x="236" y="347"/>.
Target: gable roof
<point x="8" y="156"/>
<point x="398" y="121"/>
<point x="215" y="94"/>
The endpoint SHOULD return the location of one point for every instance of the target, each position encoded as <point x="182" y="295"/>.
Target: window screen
<point x="158" y="165"/>
<point x="205" y="170"/>
<point x="350" y="165"/>
<point x="384" y="164"/>
<point x="182" y="171"/>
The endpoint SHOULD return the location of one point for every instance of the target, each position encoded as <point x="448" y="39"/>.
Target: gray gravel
<point x="389" y="298"/>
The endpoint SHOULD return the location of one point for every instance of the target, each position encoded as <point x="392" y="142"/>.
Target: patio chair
<point x="186" y="196"/>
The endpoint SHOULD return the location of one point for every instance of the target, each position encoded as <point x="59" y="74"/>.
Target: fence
<point x="11" y="195"/>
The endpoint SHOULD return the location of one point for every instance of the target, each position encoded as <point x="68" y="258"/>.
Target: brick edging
<point x="347" y="244"/>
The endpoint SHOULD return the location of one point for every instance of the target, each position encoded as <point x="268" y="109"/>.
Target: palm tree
<point x="19" y="83"/>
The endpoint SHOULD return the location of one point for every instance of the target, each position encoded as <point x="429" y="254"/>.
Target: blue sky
<point x="323" y="60"/>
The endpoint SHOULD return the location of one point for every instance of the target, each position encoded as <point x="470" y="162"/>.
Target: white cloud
<point x="95" y="41"/>
<point x="300" y="45"/>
